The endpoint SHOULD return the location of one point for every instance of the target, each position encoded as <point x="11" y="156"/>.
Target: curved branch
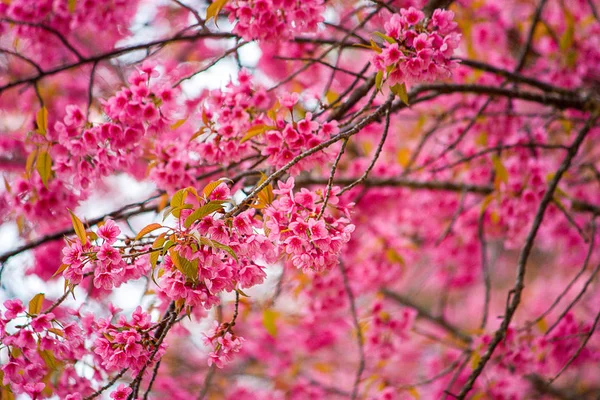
<point x="46" y="28"/>
<point x="116" y="53"/>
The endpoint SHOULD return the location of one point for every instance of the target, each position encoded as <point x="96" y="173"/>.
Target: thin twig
<point x="359" y="335"/>
<point x="331" y="176"/>
<point x="375" y="157"/>
<point x="487" y="280"/>
<point x="514" y="297"/>
<point x="572" y="282"/>
<point x="423" y="313"/>
<point x="109" y="384"/>
<point x="579" y="350"/>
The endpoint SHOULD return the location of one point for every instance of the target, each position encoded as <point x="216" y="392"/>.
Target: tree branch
<point x="524" y="256"/>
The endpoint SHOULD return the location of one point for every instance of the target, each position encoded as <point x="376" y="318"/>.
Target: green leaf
<point x="146" y="230"/>
<point x="363" y="45"/>
<point x="265" y="196"/>
<point x="566" y="40"/>
<point x="43" y="165"/>
<point x="203" y="211"/>
<point x="375" y="46"/>
<point x="168" y="244"/>
<point x="30" y="160"/>
<point x="7" y="185"/>
<point x="49" y="359"/>
<point x="41" y="120"/>
<point x="379" y="80"/>
<point x="35" y="304"/>
<point x="255" y="131"/>
<point x="188" y="268"/>
<point x="214" y="244"/>
<point x="79" y="228"/>
<point x="387" y="38"/>
<point x="501" y="172"/>
<point x="6" y="393"/>
<point x="158" y="243"/>
<point x="178" y="198"/>
<point x="177" y="210"/>
<point x="486" y="202"/>
<point x="394" y="257"/>
<point x="269" y="321"/>
<point x="72" y="5"/>
<point x="399" y="89"/>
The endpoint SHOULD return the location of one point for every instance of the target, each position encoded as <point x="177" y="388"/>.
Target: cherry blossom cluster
<point x="272" y="19"/>
<point x="108" y="264"/>
<point x="243" y="115"/>
<point x="127" y="344"/>
<point x="311" y="243"/>
<point x="37" y="345"/>
<point x="417" y="49"/>
<point x="281" y="286"/>
<point x="230" y="113"/>
<point x="67" y="17"/>
<point x="212" y="254"/>
<point x="224" y="344"/>
<point x="87" y="153"/>
<point x="224" y="116"/>
<point x="289" y="140"/>
<point x="526" y="352"/>
<point x="37" y="202"/>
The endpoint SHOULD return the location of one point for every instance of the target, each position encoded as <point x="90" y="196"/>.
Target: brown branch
<point x="576" y="299"/>
<point x="487" y="280"/>
<point x="572" y="282"/>
<point x="512" y="76"/>
<point x="547" y="99"/>
<point x="544" y="387"/>
<point x="432" y="5"/>
<point x="116" y="53"/>
<point x="359" y="335"/>
<point x="404" y="183"/>
<point x="117" y="214"/>
<point x="331" y="176"/>
<point x="373" y="160"/>
<point x="579" y="350"/>
<point x="424" y="313"/>
<point x="343" y="135"/>
<point x="49" y="29"/>
<point x="528" y="42"/>
<point x="517" y="290"/>
<point x="576" y="205"/>
<point x="23" y="58"/>
<point x="195" y="13"/>
<point x="108" y="385"/>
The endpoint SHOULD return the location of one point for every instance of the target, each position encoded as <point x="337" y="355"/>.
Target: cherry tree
<point x="362" y="199"/>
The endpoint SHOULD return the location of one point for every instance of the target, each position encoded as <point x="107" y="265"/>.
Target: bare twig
<point x="579" y="349"/>
<point x="514" y="297"/>
<point x="487" y="280"/>
<point x="364" y="176"/>
<point x="423" y="313"/>
<point x="359" y="335"/>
